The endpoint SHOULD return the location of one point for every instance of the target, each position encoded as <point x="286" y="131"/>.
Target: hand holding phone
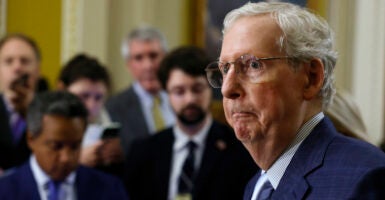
<point x="111" y="131"/>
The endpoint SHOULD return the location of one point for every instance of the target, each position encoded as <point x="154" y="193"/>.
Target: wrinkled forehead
<point x="257" y="35"/>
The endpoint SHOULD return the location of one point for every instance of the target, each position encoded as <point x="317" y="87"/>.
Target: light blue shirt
<point x="146" y="103"/>
<point x="67" y="188"/>
<point x="275" y="172"/>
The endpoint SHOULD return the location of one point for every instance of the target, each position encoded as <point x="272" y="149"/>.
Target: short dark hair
<point x="60" y="103"/>
<point x="190" y="59"/>
<point x="83" y="66"/>
<point x="24" y="38"/>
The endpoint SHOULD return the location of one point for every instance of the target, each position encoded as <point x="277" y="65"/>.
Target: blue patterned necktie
<point x="266" y="191"/>
<point x="53" y="190"/>
<point x="187" y="175"/>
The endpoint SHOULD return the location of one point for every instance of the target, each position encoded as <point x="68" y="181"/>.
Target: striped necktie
<point x="157" y="114"/>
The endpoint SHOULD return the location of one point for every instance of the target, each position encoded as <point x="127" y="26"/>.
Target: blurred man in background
<point x="19" y="70"/>
<point x="143" y="108"/>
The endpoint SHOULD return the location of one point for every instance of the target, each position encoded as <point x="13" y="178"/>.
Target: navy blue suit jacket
<point x="327" y="165"/>
<point x="89" y="184"/>
<point x="224" y="171"/>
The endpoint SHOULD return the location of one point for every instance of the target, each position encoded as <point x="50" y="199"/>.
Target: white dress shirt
<point x="67" y="188"/>
<point x="146" y="103"/>
<point x="276" y="171"/>
<point x="180" y="152"/>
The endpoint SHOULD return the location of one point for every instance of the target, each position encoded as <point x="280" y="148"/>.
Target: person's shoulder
<point x="356" y="151"/>
<point x="121" y="97"/>
<point x="96" y="176"/>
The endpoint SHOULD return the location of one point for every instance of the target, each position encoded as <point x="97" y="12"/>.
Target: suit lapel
<point x="211" y="156"/>
<point x="163" y="158"/>
<point x="27" y="183"/>
<point x="308" y="157"/>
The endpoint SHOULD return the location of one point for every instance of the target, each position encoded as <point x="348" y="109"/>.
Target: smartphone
<point x="111" y="131"/>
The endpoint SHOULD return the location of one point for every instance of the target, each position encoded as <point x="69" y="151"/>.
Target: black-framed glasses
<point x="247" y="65"/>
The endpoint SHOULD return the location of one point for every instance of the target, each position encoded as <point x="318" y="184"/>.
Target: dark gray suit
<point x="125" y="108"/>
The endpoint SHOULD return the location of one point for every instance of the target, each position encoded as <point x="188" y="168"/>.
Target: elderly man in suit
<point x="276" y="74"/>
<point x="19" y="70"/>
<point x="143" y="108"/>
<point x="197" y="158"/>
<point x="56" y="124"/>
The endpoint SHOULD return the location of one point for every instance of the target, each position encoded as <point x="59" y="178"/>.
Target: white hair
<point x="143" y="33"/>
<point x="305" y="36"/>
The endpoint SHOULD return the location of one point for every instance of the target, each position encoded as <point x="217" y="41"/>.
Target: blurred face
<point x="190" y="97"/>
<point x="143" y="62"/>
<point x="93" y="95"/>
<point x="16" y="59"/>
<point x="269" y="109"/>
<point x="58" y="145"/>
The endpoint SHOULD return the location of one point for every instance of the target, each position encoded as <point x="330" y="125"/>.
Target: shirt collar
<point x="146" y="97"/>
<point x="277" y="170"/>
<point x="42" y="178"/>
<point x="181" y="138"/>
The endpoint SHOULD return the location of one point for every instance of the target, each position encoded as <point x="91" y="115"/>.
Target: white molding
<point x="369" y="65"/>
<point x="72" y="27"/>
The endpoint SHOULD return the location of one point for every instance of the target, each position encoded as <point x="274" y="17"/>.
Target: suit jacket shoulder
<point x="126" y="109"/>
<point x="93" y="184"/>
<point x="328" y="165"/>
<point x="17" y="180"/>
<point x="90" y="184"/>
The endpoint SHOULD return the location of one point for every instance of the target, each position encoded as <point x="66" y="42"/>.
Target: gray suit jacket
<point x="125" y="108"/>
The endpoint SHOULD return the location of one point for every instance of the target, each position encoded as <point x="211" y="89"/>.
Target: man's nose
<point x="66" y="155"/>
<point x="231" y="86"/>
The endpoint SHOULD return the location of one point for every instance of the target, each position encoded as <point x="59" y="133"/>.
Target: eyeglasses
<point x="249" y="67"/>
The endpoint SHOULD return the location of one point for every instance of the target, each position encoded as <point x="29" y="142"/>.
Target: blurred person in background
<point x="143" y="108"/>
<point x="56" y="124"/>
<point x="19" y="70"/>
<point x="85" y="77"/>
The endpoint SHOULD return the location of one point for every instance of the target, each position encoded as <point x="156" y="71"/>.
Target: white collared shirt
<point x="146" y="103"/>
<point x="67" y="188"/>
<point x="276" y="171"/>
<point x="180" y="152"/>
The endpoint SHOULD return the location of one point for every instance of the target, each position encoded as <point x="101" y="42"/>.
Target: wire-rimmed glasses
<point x="247" y="65"/>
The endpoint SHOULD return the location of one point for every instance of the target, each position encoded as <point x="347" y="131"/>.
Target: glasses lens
<point x="214" y="75"/>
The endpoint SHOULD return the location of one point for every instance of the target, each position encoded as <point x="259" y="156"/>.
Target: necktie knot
<point x="266" y="191"/>
<point x="191" y="145"/>
<point x="53" y="190"/>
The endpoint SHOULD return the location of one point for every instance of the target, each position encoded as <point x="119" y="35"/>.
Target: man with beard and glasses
<point x="197" y="158"/>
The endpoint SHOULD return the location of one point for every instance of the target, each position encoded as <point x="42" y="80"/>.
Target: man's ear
<point x="315" y="78"/>
<point x="30" y="139"/>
